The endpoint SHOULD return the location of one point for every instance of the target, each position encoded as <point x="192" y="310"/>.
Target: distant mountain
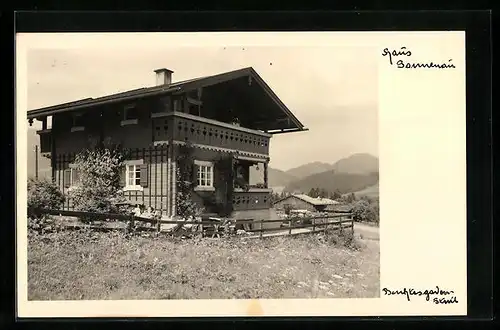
<point x="360" y="163"/>
<point x="309" y="169"/>
<point x="357" y="164"/>
<point x="44" y="169"/>
<point x="351" y="174"/>
<point x="279" y="178"/>
<point x="334" y="181"/>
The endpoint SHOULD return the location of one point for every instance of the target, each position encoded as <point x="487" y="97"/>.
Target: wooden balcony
<point x="45" y="141"/>
<point x="202" y="131"/>
<point x="253" y="199"/>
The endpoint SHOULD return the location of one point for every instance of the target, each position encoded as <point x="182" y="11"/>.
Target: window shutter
<point x="67" y="178"/>
<point x="194" y="178"/>
<point x="123" y="176"/>
<point x="144" y="175"/>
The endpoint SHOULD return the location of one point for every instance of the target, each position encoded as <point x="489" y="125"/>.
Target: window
<point x="71" y="177"/>
<point x="250" y="174"/>
<point x="257" y="175"/>
<point x="130" y="115"/>
<point x="178" y="105"/>
<point x="163" y="108"/>
<point x="77" y="123"/>
<point x="194" y="103"/>
<point x="133" y="176"/>
<point x="205" y="175"/>
<point x="166" y="104"/>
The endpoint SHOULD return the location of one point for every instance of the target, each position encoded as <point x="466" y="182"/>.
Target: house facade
<point x="226" y="117"/>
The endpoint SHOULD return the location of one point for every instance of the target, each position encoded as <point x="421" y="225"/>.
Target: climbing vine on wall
<point x="225" y="169"/>
<point x="186" y="206"/>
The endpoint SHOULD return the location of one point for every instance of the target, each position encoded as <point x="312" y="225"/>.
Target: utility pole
<point x="36" y="162"/>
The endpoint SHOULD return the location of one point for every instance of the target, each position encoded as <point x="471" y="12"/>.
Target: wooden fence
<point x="215" y="227"/>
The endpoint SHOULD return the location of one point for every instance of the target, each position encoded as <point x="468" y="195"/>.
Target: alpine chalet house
<point x="233" y="114"/>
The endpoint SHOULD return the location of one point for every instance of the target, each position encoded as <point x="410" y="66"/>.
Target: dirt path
<point x="366" y="232"/>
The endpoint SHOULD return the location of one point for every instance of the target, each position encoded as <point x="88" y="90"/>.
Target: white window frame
<point x="209" y="169"/>
<point x="136" y="164"/>
<point x="126" y="121"/>
<point x="72" y="185"/>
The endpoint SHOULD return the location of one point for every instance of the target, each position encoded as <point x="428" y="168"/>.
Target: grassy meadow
<point x="86" y="265"/>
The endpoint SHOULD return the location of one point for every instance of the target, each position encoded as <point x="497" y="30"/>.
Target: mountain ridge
<point x="350" y="174"/>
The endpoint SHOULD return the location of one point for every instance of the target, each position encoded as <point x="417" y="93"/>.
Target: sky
<point x="332" y="90"/>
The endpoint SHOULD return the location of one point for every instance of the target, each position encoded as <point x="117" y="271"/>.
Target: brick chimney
<point x="163" y="76"/>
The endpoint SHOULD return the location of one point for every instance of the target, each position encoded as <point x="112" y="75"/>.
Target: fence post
<point x="290" y="227"/>
<point x="36" y="162"/>
<point x="131" y="223"/>
<point x="314" y="223"/>
<point x="261" y="228"/>
<point x="341" y="226"/>
<point x="352" y="225"/>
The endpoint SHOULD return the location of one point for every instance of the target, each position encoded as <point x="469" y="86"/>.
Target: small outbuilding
<point x="305" y="202"/>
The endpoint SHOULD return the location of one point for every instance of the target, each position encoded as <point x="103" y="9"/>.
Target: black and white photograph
<point x="229" y="168"/>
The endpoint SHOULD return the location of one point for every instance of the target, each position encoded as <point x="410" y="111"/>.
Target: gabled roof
<point x="311" y="200"/>
<point x="316" y="201"/>
<point x="163" y="90"/>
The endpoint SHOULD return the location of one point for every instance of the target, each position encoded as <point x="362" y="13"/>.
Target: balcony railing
<point x="198" y="130"/>
<point x="253" y="199"/>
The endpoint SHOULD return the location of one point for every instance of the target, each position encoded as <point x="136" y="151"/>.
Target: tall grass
<point x="91" y="265"/>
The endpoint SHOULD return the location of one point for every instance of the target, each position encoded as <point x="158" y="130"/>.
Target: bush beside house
<point x="43" y="194"/>
<point x="98" y="189"/>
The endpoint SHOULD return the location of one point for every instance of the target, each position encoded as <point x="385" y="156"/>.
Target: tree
<point x="323" y="193"/>
<point x="275" y="197"/>
<point x="366" y="198"/>
<point x="336" y="195"/>
<point x="351" y="198"/>
<point x="362" y="210"/>
<point x="314" y="192"/>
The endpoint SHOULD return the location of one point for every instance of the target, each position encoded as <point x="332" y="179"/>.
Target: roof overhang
<point x="89" y="103"/>
<point x="292" y="123"/>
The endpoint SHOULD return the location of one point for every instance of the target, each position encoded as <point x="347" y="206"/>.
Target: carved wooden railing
<point x="253" y="199"/>
<point x="198" y="130"/>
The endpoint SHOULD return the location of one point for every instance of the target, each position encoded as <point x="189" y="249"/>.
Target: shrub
<point x="99" y="186"/>
<point x="43" y="194"/>
<point x="363" y="210"/>
<point x="345" y="239"/>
